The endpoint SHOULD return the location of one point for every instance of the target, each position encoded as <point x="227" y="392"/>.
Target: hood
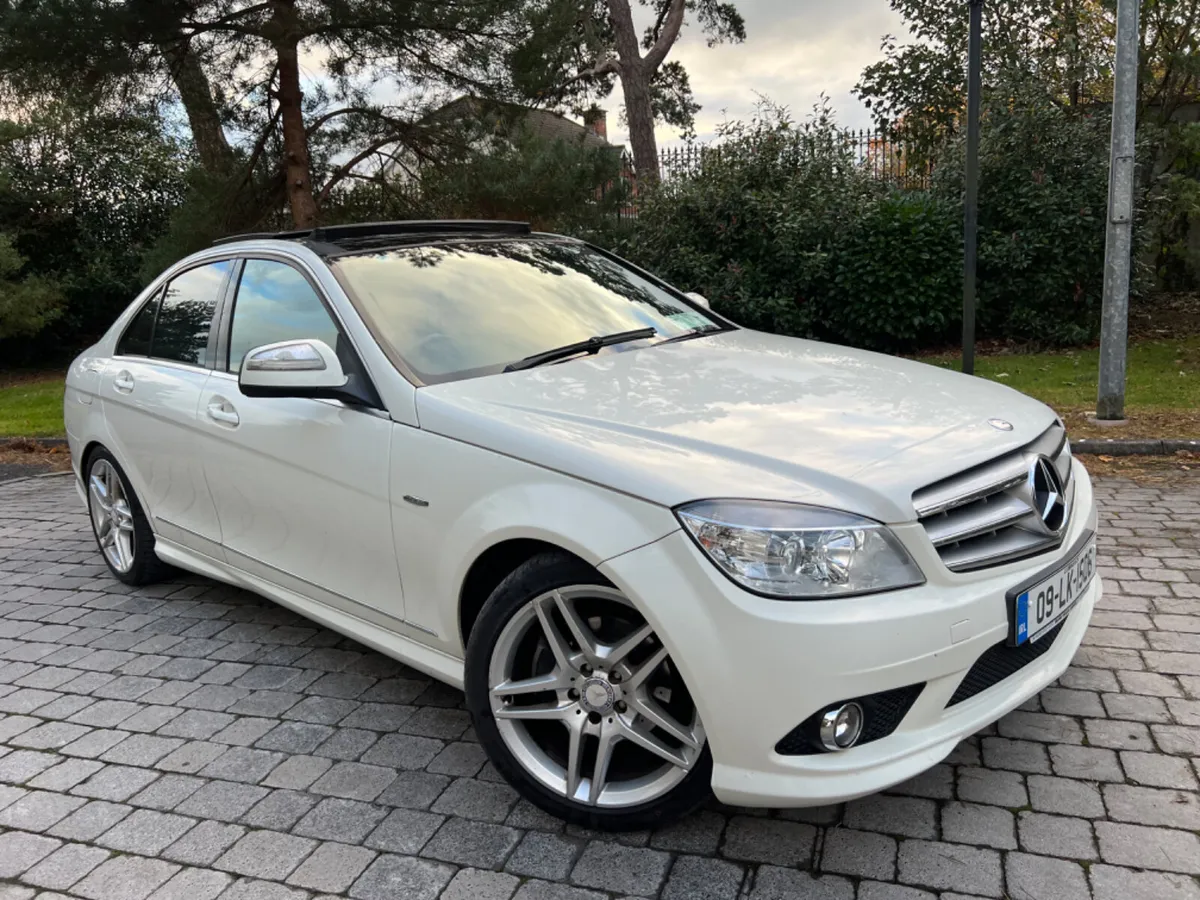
<point x="742" y="414"/>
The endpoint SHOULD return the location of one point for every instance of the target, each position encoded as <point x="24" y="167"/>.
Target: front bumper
<point x="757" y="667"/>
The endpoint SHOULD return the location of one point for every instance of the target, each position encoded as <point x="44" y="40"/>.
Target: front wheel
<point x="578" y="703"/>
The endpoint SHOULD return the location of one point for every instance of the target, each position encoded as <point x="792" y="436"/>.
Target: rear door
<point x="151" y="394"/>
<point x="300" y="485"/>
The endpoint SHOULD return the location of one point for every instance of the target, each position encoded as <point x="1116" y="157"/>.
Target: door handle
<point x="218" y="412"/>
<point x="123" y="382"/>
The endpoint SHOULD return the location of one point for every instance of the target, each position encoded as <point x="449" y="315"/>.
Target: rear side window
<point x="186" y="313"/>
<point x="276" y="303"/>
<point x="136" y="339"/>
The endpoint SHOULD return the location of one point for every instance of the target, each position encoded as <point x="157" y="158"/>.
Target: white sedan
<point x="662" y="554"/>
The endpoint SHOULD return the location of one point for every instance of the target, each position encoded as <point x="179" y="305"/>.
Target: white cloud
<point x="794" y="51"/>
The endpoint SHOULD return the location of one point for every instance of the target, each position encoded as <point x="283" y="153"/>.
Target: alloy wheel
<point x="587" y="699"/>
<point x="111" y="516"/>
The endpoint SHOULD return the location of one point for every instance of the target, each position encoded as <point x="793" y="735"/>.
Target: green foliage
<point x="27" y="303"/>
<point x="1175" y="200"/>
<point x="1043" y="193"/>
<point x="556" y="185"/>
<point x="83" y="194"/>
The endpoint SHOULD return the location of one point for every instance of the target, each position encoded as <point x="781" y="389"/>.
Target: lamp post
<point x="971" y="177"/>
<point x="1114" y="321"/>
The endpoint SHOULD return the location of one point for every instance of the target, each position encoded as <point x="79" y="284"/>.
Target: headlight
<point x="789" y="550"/>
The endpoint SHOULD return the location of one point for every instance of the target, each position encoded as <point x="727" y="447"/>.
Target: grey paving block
<point x="65" y="866"/>
<point x="1162" y="849"/>
<point x="196" y="724"/>
<point x="192" y="757"/>
<point x="540" y="855"/>
<point x="390" y="877"/>
<point x="774" y="883"/>
<point x="942" y="866"/>
<point x="225" y="801"/>
<point x="354" y="781"/>
<point x="970" y="823"/>
<point x="244" y="731"/>
<point x="1151" y="806"/>
<point x="1043" y="878"/>
<point x="1056" y="836"/>
<point x="125" y="878"/>
<point x="146" y="832"/>
<point x="20" y="851"/>
<point x="404" y="831"/>
<point x="403" y="751"/>
<point x="332" y="867"/>
<point x="907" y="816"/>
<point x="347" y="743"/>
<point x="21" y="765"/>
<point x="1088" y="763"/>
<point x="461" y="758"/>
<point x="243" y="764"/>
<point x="297" y="772"/>
<point x="115" y="783"/>
<point x="90" y="821"/>
<point x="266" y="854"/>
<point x="1112" y="883"/>
<point x="698" y="878"/>
<point x="468" y="843"/>
<point x="203" y="844"/>
<point x="627" y="870"/>
<point x="992" y="786"/>
<point x="475" y="884"/>
<point x="168" y="792"/>
<point x="878" y="890"/>
<point x="1021" y="756"/>
<point x="50" y="736"/>
<point x="861" y="853"/>
<point x="344" y="820"/>
<point x="1158" y="770"/>
<point x="475" y="799"/>
<point x="141" y="750"/>
<point x="280" y="810"/>
<point x="39" y="810"/>
<point x="415" y="790"/>
<point x="294" y="737"/>
<point x="193" y="884"/>
<point x="698" y="833"/>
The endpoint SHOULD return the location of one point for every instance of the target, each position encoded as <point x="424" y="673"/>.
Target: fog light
<point x="841" y="727"/>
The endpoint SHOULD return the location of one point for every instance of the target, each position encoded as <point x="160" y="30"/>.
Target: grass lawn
<point x="31" y="406"/>
<point x="1162" y="391"/>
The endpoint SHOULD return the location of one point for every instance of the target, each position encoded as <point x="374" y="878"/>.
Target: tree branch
<point x="670" y="32"/>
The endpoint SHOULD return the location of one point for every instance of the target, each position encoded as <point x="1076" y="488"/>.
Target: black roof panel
<point x="332" y="234"/>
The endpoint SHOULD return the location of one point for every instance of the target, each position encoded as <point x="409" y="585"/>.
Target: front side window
<point x="275" y="303"/>
<point x="457" y="310"/>
<point x="185" y="316"/>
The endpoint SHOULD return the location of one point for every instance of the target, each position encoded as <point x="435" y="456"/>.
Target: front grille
<point x="985" y="516"/>
<point x="999" y="662"/>
<point x="883" y="713"/>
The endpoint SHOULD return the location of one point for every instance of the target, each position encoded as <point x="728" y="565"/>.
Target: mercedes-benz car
<point x="662" y="554"/>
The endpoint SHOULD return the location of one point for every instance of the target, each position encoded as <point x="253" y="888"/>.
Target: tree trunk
<point x="291" y="114"/>
<point x="640" y="115"/>
<point x="216" y="156"/>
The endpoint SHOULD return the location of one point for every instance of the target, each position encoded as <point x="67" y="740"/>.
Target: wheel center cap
<point x="598" y="695"/>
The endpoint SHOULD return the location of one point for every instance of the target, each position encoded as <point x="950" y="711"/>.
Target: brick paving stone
<point x="1021" y="756"/>
<point x="698" y="833"/>
<point x="548" y="856"/>
<point x="146" y="832"/>
<point x="297" y="772"/>
<point x="354" y="781"/>
<point x="280" y="810"/>
<point x="1065" y="795"/>
<point x="950" y="867"/>
<point x="909" y="817"/>
<point x="474" y="884"/>
<point x="332" y="867"/>
<point x="225" y="801"/>
<point x="1043" y="878"/>
<point x="125" y="878"/>
<point x="1055" y="836"/>
<point x="468" y="843"/>
<point x="90" y="821"/>
<point x="403" y="751"/>
<point x="193" y="884"/>
<point x="265" y="854"/>
<point x="1163" y="849"/>
<point x="1158" y="770"/>
<point x="861" y="853"/>
<point x="1112" y="883"/>
<point x="204" y="843"/>
<point x="65" y="866"/>
<point x="391" y="877"/>
<point x="476" y="799"/>
<point x="1088" y="763"/>
<point x="405" y="831"/>
<point x="627" y="870"/>
<point x="969" y="823"/>
<point x="344" y="820"/>
<point x="755" y="839"/>
<point x="39" y="811"/>
<point x="115" y="783"/>
<point x="698" y="878"/>
<point x="992" y="786"/>
<point x="877" y="890"/>
<point x="774" y="883"/>
<point x="20" y="851"/>
<point x="243" y="764"/>
<point x="1152" y="806"/>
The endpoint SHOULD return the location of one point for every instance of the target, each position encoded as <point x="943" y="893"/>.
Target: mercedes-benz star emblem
<point x="1047" y="495"/>
<point x="1000" y="424"/>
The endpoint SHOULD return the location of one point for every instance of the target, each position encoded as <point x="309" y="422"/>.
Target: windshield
<point x="457" y="310"/>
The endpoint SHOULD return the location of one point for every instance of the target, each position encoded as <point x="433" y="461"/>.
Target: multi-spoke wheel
<point x="578" y="703"/>
<point x="120" y="526"/>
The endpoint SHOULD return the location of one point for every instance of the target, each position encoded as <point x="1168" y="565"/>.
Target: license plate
<point x="1045" y="604"/>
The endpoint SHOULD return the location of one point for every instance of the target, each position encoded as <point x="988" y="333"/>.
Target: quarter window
<point x="276" y="303"/>
<point x="136" y="339"/>
<point x="185" y="316"/>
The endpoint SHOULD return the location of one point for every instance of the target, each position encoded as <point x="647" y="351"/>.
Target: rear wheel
<point x="578" y="703"/>
<point x="119" y="524"/>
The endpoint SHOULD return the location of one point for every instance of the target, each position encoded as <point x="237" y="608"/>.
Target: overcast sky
<point x="794" y="50"/>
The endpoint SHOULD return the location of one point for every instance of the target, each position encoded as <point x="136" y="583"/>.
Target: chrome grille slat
<point x="983" y="517"/>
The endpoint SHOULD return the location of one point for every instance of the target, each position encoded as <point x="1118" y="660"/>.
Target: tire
<point x="654" y="775"/>
<point x="135" y="562"/>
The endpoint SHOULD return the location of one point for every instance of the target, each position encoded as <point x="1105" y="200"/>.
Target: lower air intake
<point x="999" y="662"/>
<point x="883" y="713"/>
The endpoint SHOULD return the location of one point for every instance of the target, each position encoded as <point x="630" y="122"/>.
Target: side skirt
<point x="401" y="647"/>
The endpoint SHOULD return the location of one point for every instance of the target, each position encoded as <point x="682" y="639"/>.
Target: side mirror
<point x="306" y="368"/>
<point x="698" y="299"/>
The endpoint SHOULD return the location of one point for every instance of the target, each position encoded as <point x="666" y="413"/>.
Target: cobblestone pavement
<point x="193" y="741"/>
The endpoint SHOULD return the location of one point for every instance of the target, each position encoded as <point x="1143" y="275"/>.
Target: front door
<point x="150" y="395"/>
<point x="300" y="485"/>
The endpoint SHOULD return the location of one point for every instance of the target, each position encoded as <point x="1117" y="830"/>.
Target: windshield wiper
<point x="694" y="333"/>
<point x="592" y="345"/>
